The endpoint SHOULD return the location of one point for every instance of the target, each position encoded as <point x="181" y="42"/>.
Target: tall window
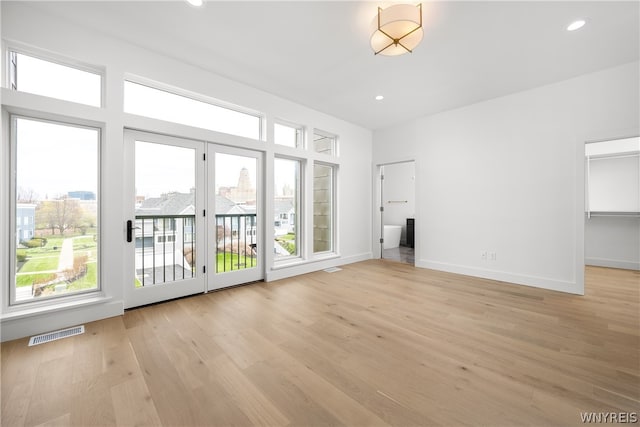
<point x="286" y="205"/>
<point x="324" y="143"/>
<point x="159" y="104"/>
<point x="57" y="197"/>
<point x="323" y="209"/>
<point x="34" y="75"/>
<point x="288" y="135"/>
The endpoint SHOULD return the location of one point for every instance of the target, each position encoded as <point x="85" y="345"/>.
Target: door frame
<point x="134" y="297"/>
<point x="378" y="214"/>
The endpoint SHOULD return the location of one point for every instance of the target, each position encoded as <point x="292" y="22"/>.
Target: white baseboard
<point x="612" y="263"/>
<point x="37" y="323"/>
<point x="518" y="279"/>
<point x="311" y="266"/>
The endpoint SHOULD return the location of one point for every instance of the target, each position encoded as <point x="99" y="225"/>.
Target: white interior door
<point x="235" y="223"/>
<point x="165" y="223"/>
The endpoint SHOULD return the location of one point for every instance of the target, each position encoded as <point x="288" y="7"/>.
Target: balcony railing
<point x="165" y="248"/>
<point x="166" y="251"/>
<point x="236" y="238"/>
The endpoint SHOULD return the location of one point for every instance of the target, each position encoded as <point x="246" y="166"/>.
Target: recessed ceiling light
<point x="195" y="2"/>
<point x="379" y="98"/>
<point x="575" y="25"/>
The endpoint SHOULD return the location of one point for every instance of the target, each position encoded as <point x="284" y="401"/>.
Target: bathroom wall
<point x="399" y="195"/>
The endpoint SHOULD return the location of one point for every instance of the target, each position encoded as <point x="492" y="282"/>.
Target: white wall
<point x="613" y="242"/>
<point x="399" y="195"/>
<point x="24" y="23"/>
<point x="505" y="176"/>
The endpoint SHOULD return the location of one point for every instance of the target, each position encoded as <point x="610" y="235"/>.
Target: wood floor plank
<point x="92" y="405"/>
<point x="256" y="406"/>
<point x="292" y="400"/>
<point x="377" y="343"/>
<point x="133" y="404"/>
<point x="52" y="390"/>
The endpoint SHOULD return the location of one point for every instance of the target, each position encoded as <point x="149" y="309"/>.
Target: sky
<point x="54" y="159"/>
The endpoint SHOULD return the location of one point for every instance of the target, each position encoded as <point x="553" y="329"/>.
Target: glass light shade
<point x="396" y="29"/>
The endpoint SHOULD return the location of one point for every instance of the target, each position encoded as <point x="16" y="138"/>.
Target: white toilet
<point x="391" y="236"/>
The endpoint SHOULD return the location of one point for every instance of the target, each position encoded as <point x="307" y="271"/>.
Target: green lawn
<point x="39" y="259"/>
<point x="46" y="259"/>
<point x="35" y="265"/>
<point x="288" y="241"/>
<point x="88" y="281"/>
<point x="28" y="279"/>
<point x="231" y="262"/>
<point x="40" y="264"/>
<point x="84" y="242"/>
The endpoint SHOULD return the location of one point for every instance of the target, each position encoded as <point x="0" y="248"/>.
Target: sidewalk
<point x="65" y="262"/>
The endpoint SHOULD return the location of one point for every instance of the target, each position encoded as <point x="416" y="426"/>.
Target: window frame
<point x="12" y="303"/>
<point x="11" y="69"/>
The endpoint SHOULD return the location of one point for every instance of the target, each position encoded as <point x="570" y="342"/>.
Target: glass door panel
<point x="165" y="219"/>
<point x="235" y="227"/>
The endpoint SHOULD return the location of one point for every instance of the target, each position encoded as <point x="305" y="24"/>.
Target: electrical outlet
<point x="492" y="256"/>
<point x="483" y="255"/>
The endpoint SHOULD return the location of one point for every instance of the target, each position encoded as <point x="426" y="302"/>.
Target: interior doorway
<point x="612" y="203"/>
<point x="397" y="212"/>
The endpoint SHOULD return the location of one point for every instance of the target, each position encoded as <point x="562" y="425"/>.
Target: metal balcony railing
<point x="236" y="238"/>
<point x="165" y="248"/>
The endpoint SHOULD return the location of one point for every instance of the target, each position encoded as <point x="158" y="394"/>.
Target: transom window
<point x="288" y="135"/>
<point x="163" y="105"/>
<point x="324" y="143"/>
<point x="41" y="77"/>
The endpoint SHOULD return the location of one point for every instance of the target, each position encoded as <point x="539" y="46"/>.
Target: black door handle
<point x="129" y="231"/>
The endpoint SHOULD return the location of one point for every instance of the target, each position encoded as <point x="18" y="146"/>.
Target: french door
<point x="235" y="201"/>
<point x="193" y="215"/>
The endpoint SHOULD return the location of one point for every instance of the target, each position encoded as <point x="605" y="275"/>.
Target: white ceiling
<point x="317" y="53"/>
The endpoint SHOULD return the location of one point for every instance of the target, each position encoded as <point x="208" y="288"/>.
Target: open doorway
<point x="612" y="203"/>
<point x="397" y="212"/>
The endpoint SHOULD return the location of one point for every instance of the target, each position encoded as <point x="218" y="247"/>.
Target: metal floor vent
<point x="332" y="269"/>
<point x="56" y="335"/>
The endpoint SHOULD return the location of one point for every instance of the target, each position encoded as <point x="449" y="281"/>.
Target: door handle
<point x="129" y="231"/>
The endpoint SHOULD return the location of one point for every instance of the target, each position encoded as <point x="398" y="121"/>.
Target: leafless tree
<point x="61" y="214"/>
<point x="26" y="195"/>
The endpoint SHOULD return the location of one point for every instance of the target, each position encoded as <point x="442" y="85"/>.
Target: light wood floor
<point x="378" y="343"/>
